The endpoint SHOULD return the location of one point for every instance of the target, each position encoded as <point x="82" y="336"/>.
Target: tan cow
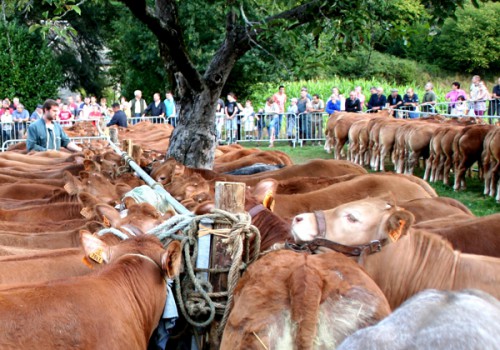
<point x="129" y="297"/>
<point x="417" y="260"/>
<point x="289" y="300"/>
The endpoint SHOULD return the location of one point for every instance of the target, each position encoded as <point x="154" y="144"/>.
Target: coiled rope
<point x="194" y="296"/>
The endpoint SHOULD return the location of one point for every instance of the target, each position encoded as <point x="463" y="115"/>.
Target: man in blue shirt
<point x="170" y="108"/>
<point x="44" y="134"/>
<point x="20" y="116"/>
<point x="119" y="117"/>
<point x="410" y="102"/>
<point x="377" y="101"/>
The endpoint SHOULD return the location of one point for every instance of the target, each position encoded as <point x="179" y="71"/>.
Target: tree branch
<point x="163" y="22"/>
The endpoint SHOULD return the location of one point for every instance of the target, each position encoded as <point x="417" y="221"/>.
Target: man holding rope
<point x="45" y="135"/>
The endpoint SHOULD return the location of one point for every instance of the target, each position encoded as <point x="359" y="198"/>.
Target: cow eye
<point x="351" y="218"/>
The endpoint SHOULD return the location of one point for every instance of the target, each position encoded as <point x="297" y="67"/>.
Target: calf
<point x="129" y="297"/>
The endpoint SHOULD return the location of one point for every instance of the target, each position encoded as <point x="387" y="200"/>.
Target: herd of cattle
<point x="445" y="145"/>
<point x="379" y="240"/>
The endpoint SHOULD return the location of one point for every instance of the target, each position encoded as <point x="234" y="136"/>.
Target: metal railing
<point x="266" y="127"/>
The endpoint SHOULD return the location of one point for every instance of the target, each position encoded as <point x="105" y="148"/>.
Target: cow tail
<point x="306" y="288"/>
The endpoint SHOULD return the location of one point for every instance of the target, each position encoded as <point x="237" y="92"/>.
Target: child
<point x="248" y="120"/>
<point x="291" y="115"/>
<point x="7" y="122"/>
<point x="460" y="106"/>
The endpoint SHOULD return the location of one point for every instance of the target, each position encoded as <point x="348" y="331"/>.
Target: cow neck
<point x="133" y="282"/>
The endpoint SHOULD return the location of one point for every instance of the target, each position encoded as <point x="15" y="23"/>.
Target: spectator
<point x="14" y="104"/>
<point x="271" y="110"/>
<point x="338" y="96"/>
<point x="170" y="110"/>
<point x="103" y="104"/>
<point x="85" y="109"/>
<point x="6" y="107"/>
<point x="219" y="117"/>
<point x="155" y="109"/>
<point x="360" y="97"/>
<point x="377" y="101"/>
<point x="410" y="102"/>
<point x="495" y="103"/>
<point x="73" y="107"/>
<point x="119" y="117"/>
<point x="353" y="104"/>
<point x="395" y="101"/>
<point x="231" y="111"/>
<point x="37" y="113"/>
<point x="291" y="120"/>
<point x="20" y="117"/>
<point x="333" y="104"/>
<point x="95" y="112"/>
<point x="44" y="134"/>
<point x="317" y="109"/>
<point x="460" y="107"/>
<point x="452" y="96"/>
<point x="303" y="106"/>
<point x="280" y="100"/>
<point x="481" y="98"/>
<point x="137" y="106"/>
<point x="474" y="91"/>
<point x="65" y="115"/>
<point x="125" y="107"/>
<point x="7" y="124"/>
<point x="248" y="120"/>
<point x="429" y="99"/>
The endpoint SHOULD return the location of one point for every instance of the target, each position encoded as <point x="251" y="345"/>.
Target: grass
<point x="473" y="197"/>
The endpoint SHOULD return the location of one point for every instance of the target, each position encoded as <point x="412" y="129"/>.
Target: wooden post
<point x="127" y="146"/>
<point x="137" y="154"/>
<point x="113" y="135"/>
<point x="229" y="196"/>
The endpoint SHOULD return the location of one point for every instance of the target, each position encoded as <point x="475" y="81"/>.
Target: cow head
<point x="168" y="259"/>
<point x="168" y="169"/>
<point x="355" y="223"/>
<point x="140" y="217"/>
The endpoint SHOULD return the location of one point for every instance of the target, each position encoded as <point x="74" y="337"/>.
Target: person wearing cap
<point x="119" y="117"/>
<point x="37" y="113"/>
<point x="395" y="101"/>
<point x="44" y="134"/>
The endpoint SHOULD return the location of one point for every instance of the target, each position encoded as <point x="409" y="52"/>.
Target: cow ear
<point x="94" y="248"/>
<point x="73" y="185"/>
<point x="88" y="202"/>
<point x="264" y="192"/>
<point x="171" y="259"/>
<point x="109" y="215"/>
<point x="398" y="224"/>
<point x="89" y="165"/>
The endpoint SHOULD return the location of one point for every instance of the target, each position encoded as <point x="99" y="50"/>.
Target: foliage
<point x="470" y="43"/>
<point x="29" y="69"/>
<point x="134" y="52"/>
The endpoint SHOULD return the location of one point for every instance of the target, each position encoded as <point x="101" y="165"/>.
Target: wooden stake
<point x="136" y="153"/>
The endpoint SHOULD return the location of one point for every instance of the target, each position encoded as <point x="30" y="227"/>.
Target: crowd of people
<point x="244" y="122"/>
<point x="235" y="119"/>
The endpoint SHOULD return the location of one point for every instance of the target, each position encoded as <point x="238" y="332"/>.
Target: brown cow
<point x="129" y="297"/>
<point x="467" y="149"/>
<point x="408" y="266"/>
<point x="491" y="163"/>
<point x="362" y="186"/>
<point x="317" y="167"/>
<point x="289" y="300"/>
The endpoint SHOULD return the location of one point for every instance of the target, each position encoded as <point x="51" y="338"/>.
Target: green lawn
<point x="473" y="197"/>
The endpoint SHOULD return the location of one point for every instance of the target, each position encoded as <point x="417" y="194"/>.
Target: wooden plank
<point x="136" y="153"/>
<point x="229" y="196"/>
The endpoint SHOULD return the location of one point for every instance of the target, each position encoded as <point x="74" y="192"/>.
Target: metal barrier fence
<point x="155" y="120"/>
<point x="272" y="127"/>
<point x="79" y="140"/>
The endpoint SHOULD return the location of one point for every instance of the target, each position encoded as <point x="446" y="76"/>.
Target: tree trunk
<point x="193" y="141"/>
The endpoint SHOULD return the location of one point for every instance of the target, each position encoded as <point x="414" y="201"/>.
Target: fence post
<point x="229" y="196"/>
